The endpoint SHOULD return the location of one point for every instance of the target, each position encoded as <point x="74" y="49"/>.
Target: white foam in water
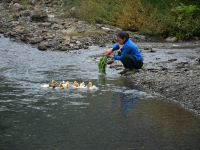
<point x="79" y="103"/>
<point x="45" y="86"/>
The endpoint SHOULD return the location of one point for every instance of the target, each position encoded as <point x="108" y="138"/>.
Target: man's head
<point x="122" y="37"/>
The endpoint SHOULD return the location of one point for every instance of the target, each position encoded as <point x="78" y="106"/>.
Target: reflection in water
<point x="126" y="102"/>
<point x="102" y="79"/>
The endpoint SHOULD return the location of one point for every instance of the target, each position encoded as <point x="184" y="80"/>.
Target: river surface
<point x="118" y="116"/>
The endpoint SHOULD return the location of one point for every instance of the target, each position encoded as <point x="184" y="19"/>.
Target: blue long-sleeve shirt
<point x="129" y="48"/>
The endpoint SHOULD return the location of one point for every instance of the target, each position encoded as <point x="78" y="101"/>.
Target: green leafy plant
<point x="186" y="10"/>
<point x="25" y="4"/>
<point x="184" y="21"/>
<point x="102" y="64"/>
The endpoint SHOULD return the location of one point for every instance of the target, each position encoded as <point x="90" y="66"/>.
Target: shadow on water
<point x="118" y="116"/>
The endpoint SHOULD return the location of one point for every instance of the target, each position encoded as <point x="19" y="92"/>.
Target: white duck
<point x="91" y="86"/>
<point x="82" y="85"/>
<point x="76" y="85"/>
<point x="67" y="84"/>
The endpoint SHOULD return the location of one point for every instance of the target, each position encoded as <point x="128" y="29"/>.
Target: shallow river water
<point x="118" y="116"/>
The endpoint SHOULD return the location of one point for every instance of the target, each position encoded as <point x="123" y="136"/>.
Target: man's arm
<point x="123" y="54"/>
<point x="115" y="46"/>
<point x="110" y="50"/>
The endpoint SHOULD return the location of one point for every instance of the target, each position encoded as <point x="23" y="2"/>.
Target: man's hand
<point x="111" y="55"/>
<point x="108" y="52"/>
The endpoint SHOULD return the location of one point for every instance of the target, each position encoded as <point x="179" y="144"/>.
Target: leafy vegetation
<point x="184" y="21"/>
<point x="103" y="64"/>
<point x="25" y="3"/>
<point x="180" y="18"/>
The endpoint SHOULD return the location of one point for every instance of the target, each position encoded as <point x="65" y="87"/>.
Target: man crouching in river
<point x="131" y="57"/>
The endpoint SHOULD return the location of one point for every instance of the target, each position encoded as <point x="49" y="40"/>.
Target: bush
<point x="184" y="21"/>
<point x="166" y="18"/>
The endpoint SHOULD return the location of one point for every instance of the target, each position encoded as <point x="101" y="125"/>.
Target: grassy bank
<point x="180" y="18"/>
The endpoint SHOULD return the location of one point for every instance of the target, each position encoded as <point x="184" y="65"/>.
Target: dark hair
<point x="123" y="35"/>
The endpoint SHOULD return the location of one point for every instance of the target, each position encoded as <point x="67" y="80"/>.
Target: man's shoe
<point x="127" y="71"/>
<point x="124" y="71"/>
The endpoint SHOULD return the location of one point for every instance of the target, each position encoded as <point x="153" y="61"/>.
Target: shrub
<point x="166" y="18"/>
<point x="184" y="21"/>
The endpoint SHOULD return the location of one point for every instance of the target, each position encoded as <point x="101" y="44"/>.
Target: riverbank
<point x="39" y="25"/>
<point x="172" y="70"/>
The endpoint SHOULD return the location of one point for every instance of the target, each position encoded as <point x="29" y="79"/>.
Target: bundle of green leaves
<point x="102" y="64"/>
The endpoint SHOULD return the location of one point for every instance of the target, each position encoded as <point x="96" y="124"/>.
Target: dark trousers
<point x="130" y="62"/>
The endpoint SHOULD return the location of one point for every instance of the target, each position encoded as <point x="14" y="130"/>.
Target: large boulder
<point x="39" y="15"/>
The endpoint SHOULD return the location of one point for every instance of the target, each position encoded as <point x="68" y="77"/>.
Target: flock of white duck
<point x="67" y="85"/>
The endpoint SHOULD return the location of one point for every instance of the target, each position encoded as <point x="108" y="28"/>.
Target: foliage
<point x="185" y="10"/>
<point x="180" y="18"/>
<point x="25" y="3"/>
<point x="102" y="64"/>
<point x="184" y="21"/>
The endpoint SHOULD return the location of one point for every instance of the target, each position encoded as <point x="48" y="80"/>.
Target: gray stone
<point x="45" y="24"/>
<point x="72" y="11"/>
<point x="172" y="60"/>
<point x="17" y="6"/>
<point x="35" y="40"/>
<point x="71" y="45"/>
<point x="26" y="13"/>
<point x="20" y="30"/>
<point x="43" y="46"/>
<point x="196" y="38"/>
<point x="171" y="39"/>
<point x="39" y="15"/>
<point x="66" y="40"/>
<point x="64" y="48"/>
<point x="197" y="60"/>
<point x="48" y="35"/>
<point x="106" y="29"/>
<point x="78" y="42"/>
<point x="56" y="26"/>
